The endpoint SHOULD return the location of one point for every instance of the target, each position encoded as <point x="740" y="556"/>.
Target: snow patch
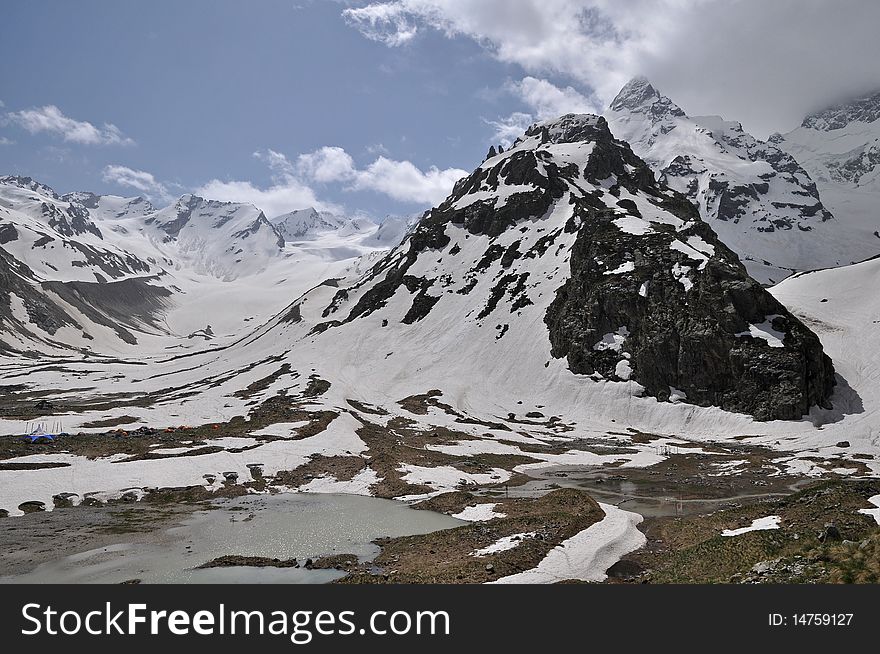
<point x="759" y="524"/>
<point x="766" y="332"/>
<point x="503" y="544"/>
<point x="874" y="513"/>
<point x="479" y="513"/>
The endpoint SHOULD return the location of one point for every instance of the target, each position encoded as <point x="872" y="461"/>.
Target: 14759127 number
<point x="810" y="620"/>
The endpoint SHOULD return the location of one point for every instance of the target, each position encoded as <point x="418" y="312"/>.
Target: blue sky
<point x="379" y="105"/>
<point x="200" y="86"/>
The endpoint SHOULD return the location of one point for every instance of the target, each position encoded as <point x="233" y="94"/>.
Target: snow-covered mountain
<point x="561" y="263"/>
<point x="756" y="196"/>
<point x="840" y="147"/>
<point x="62" y="283"/>
<point x="306" y="223"/>
<point x="105" y="274"/>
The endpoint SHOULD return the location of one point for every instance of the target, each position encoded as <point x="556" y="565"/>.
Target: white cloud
<point x="328" y="164"/>
<point x="292" y="188"/>
<point x="763" y="63"/>
<point x="405" y="182"/>
<point x="549" y="101"/>
<point x="510" y="128"/>
<point x="274" y="200"/>
<point x="386" y="22"/>
<point x="139" y="180"/>
<point x="50" y="119"/>
<point x="276" y="161"/>
<point x="6" y="141"/>
<point x="545" y="101"/>
<point x="399" y="180"/>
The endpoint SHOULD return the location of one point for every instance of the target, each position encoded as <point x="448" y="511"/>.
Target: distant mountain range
<point x="761" y="197"/>
<point x="100" y="273"/>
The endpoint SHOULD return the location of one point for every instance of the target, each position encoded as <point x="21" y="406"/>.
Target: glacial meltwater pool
<point x="284" y="526"/>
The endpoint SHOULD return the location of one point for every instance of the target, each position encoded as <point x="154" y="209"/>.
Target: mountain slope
<point x="566" y="251"/>
<point x="759" y="200"/>
<point x="840" y="147"/>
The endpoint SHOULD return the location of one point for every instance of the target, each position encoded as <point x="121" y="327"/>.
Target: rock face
<point x="630" y="284"/>
<point x="760" y="201"/>
<point x="707" y="338"/>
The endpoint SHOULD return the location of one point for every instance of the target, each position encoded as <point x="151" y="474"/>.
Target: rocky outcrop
<point x="709" y="341"/>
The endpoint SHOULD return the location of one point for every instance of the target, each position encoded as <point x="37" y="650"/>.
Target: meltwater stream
<point x="284" y="526"/>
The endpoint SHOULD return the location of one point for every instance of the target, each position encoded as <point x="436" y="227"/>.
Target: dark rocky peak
<point x="639" y="96"/>
<point x="572" y="128"/>
<point x="569" y="154"/>
<point x="865" y="110"/>
<point x="83" y="198"/>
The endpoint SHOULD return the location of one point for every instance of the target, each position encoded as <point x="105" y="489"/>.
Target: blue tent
<point x="39" y="435"/>
<point x="39" y="438"/>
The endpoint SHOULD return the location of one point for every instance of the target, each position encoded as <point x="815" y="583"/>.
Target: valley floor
<point x="577" y="481"/>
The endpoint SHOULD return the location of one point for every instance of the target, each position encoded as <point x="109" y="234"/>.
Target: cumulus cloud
<point x="399" y="180"/>
<point x="545" y="100"/>
<point x="403" y="181"/>
<point x="328" y="164"/>
<point x="549" y="101"/>
<point x="286" y="193"/>
<point x="139" y="180"/>
<point x="292" y="181"/>
<point x="763" y="63"/>
<point x="51" y="119"/>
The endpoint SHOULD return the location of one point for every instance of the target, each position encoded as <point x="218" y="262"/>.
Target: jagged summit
<point x="639" y="95"/>
<point x="637" y="92"/>
<point x="28" y="183"/>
